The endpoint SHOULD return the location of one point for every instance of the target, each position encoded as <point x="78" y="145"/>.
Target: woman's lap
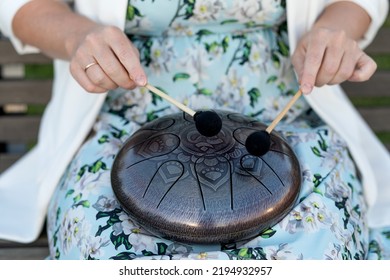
<point x="328" y="221"/>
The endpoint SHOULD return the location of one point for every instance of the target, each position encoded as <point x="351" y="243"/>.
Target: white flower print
<point x="259" y="55"/>
<point x="92" y="247"/>
<point x="91" y="182"/>
<point x="161" y="55"/>
<point x="71" y="228"/>
<point x="138" y="238"/>
<point x="275" y="104"/>
<point x="139" y="25"/>
<point x="105" y="204"/>
<point x="196" y="62"/>
<point x="207" y="10"/>
<point x="199" y="101"/>
<point x="334" y="153"/>
<point x="333" y="252"/>
<point x="179" y="29"/>
<point x="310" y="216"/>
<point x="264" y="11"/>
<point x="282" y="252"/>
<point x="232" y="93"/>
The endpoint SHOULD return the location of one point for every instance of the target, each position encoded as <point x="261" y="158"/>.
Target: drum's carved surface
<point x="181" y="185"/>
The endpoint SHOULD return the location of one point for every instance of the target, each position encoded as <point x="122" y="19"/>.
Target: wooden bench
<point x="22" y="98"/>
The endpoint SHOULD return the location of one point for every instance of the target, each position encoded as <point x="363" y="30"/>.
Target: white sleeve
<point x="377" y="10"/>
<point x="8" y="9"/>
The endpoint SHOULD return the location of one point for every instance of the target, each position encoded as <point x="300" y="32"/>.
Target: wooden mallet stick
<point x="207" y="123"/>
<point x="283" y="112"/>
<point x="165" y="96"/>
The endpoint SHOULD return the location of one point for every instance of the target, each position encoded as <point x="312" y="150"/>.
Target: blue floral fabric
<point x="230" y="55"/>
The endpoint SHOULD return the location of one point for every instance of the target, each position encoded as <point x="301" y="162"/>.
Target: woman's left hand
<point x="327" y="57"/>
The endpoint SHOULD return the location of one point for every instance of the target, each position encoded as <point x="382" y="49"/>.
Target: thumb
<point x="365" y="68"/>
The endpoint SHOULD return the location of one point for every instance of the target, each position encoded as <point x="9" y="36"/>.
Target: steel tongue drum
<point x="181" y="185"/>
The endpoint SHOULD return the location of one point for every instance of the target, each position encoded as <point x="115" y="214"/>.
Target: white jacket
<point x="26" y="187"/>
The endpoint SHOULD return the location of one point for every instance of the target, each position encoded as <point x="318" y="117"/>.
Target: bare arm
<point x="329" y="53"/>
<point x="59" y="32"/>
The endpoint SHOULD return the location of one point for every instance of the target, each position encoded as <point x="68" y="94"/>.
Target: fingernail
<point x="306" y="88"/>
<point x="140" y="80"/>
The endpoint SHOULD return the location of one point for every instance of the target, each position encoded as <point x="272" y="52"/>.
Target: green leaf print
<point x="246" y="52"/>
<point x="84" y="203"/>
<point x="375" y="248"/>
<point x="147" y="253"/>
<point x="58" y="254"/>
<point x="283" y="48"/>
<point x="161" y="248"/>
<point x="124" y="256"/>
<point x="211" y="47"/>
<point x="180" y="76"/>
<point x="132" y="12"/>
<point x="316" y="151"/>
<point x="121" y="239"/>
<point x="386" y="234"/>
<point x="151" y="116"/>
<point x="254" y="95"/>
<point x="77" y="198"/>
<point x="247" y="253"/>
<point x="81" y="172"/>
<point x="97" y="166"/>
<point x="244" y="253"/>
<point x="205" y="91"/>
<point x="268" y="233"/>
<point x="188" y="6"/>
<point x="275" y="60"/>
<point x="272" y="79"/>
<point x="69" y="193"/>
<point x="229" y="21"/>
<point x="103" y="139"/>
<point x="225" y="43"/>
<point x="201" y="33"/>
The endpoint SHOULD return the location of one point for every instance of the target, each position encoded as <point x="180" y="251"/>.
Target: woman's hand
<point x="57" y="31"/>
<point x="327" y="57"/>
<point x="113" y="61"/>
<point x="329" y="53"/>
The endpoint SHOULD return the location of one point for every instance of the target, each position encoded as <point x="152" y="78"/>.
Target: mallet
<point x="208" y="123"/>
<point x="258" y="143"/>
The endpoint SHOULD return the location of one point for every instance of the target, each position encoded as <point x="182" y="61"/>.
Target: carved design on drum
<point x="182" y="185"/>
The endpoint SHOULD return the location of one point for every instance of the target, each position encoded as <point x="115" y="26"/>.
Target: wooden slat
<point x="27" y="253"/>
<point x="19" y="128"/>
<point x="381" y="43"/>
<point x="40" y="242"/>
<point x="25" y="91"/>
<point x="377" y="118"/>
<point x="36" y="250"/>
<point x="378" y="85"/>
<point x="9" y="55"/>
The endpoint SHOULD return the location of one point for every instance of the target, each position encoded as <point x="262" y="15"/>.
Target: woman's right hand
<point x="56" y="30"/>
<point x="114" y="61"/>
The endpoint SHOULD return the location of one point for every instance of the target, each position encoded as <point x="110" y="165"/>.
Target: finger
<point x="81" y="77"/>
<point x="129" y="57"/>
<point x="346" y="69"/>
<point x="113" y="68"/>
<point x="297" y="60"/>
<point x="330" y="65"/>
<point x="313" y="59"/>
<point x="365" y="68"/>
<point x="98" y="77"/>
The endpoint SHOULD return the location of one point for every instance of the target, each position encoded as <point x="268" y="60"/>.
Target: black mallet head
<point x="258" y="143"/>
<point x="208" y="123"/>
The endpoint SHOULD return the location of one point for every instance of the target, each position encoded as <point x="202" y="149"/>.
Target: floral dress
<point x="230" y="55"/>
